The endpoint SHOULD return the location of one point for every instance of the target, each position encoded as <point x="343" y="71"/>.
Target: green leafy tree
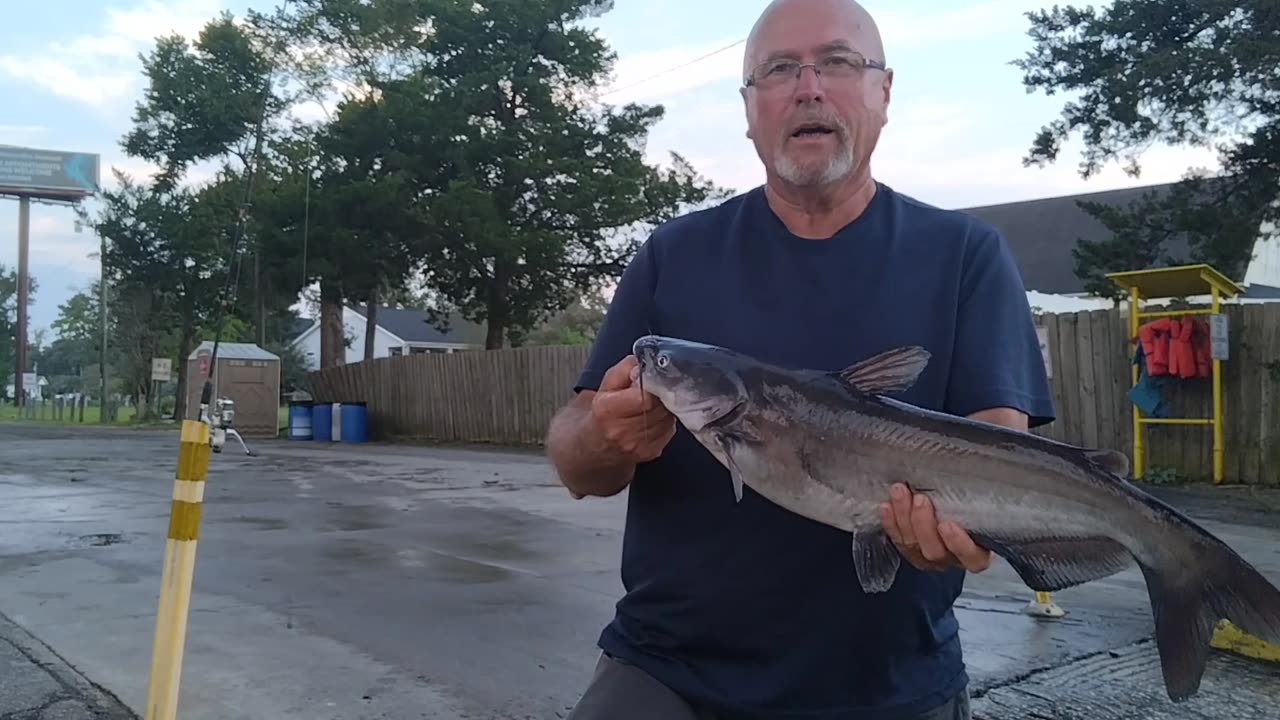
<point x="1194" y="72"/>
<point x="9" y="320"/>
<point x="576" y="324"/>
<point x="202" y="101"/>
<point x="167" y="254"/>
<point x="528" y="191"/>
<point x="77" y="342"/>
<point x="170" y="243"/>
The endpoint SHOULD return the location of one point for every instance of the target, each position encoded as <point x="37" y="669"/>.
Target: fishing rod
<point x="199" y="435"/>
<point x="242" y="217"/>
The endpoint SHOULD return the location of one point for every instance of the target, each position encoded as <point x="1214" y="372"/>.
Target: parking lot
<point x="372" y="581"/>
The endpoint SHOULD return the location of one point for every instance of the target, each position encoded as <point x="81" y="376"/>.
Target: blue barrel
<point x="322" y="422"/>
<point x="355" y="422"/>
<point x="300" y="420"/>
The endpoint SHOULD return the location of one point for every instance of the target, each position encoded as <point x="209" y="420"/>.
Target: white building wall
<point x="1264" y="269"/>
<point x="354" y="324"/>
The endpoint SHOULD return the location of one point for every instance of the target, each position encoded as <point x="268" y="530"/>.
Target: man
<point x="743" y="610"/>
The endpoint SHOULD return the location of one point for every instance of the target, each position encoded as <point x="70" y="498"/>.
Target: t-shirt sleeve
<point x="996" y="361"/>
<point x="628" y="317"/>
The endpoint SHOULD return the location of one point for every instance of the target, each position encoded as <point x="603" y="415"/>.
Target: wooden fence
<point x="1091" y="365"/>
<point x="498" y="396"/>
<point x="508" y="396"/>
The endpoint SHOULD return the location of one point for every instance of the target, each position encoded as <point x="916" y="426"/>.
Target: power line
<point x="681" y="66"/>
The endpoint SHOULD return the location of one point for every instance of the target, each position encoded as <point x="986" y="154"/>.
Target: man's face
<point x="847" y="103"/>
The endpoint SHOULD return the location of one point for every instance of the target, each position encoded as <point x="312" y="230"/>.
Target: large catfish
<point x="828" y="445"/>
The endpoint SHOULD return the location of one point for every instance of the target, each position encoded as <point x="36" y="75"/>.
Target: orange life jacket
<point x="1155" y="346"/>
<point x="1178" y="348"/>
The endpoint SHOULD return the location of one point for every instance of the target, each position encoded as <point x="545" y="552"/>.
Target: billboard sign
<point x="53" y="174"/>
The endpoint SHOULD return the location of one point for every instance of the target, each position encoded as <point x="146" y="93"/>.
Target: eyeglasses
<point x="773" y="74"/>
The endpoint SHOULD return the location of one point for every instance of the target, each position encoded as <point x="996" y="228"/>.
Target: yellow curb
<point x="1232" y="639"/>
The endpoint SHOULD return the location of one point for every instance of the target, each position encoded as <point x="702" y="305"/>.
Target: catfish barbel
<point x="829" y="445"/>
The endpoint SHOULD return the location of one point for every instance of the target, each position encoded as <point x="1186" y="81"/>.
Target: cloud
<point x="912" y="29"/>
<point x="55" y="242"/>
<point x="21" y="134"/>
<point x="70" y="79"/>
<point x="102" y="70"/>
<point x="656" y="74"/>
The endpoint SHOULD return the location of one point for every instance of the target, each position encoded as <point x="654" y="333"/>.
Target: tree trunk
<point x="332" y="338"/>
<point x="370" y="323"/>
<point x="186" y="347"/>
<point x="498" y="313"/>
<point x="260" y="298"/>
<point x="496" y="333"/>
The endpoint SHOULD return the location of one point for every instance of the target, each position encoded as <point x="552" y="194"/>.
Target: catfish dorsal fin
<point x="1113" y="461"/>
<point x="889" y="372"/>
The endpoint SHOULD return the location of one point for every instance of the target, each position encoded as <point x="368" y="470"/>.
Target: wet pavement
<point x="364" y="582"/>
<point x="36" y="684"/>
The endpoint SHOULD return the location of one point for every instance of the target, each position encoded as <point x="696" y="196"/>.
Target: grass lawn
<point x="46" y="414"/>
<point x="125" y="417"/>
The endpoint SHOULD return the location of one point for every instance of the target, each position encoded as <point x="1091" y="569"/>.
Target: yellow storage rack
<point x="1176" y="282"/>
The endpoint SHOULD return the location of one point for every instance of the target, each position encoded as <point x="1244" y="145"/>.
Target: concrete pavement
<point x="36" y="684"/>
<point x="362" y="582"/>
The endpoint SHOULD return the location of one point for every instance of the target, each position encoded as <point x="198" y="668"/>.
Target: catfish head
<point x="700" y="384"/>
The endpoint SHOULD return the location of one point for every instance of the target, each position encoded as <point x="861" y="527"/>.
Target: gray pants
<point x="619" y="691"/>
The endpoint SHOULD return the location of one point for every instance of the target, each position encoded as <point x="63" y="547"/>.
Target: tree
<point x="205" y="101"/>
<point x="528" y="190"/>
<point x="9" y="318"/>
<point x="576" y="324"/>
<point x="78" y="339"/>
<point x="202" y="101"/>
<point x="166" y="252"/>
<point x="1195" y="72"/>
<point x="174" y="252"/>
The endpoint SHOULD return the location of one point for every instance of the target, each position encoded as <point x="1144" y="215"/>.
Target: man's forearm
<point x="582" y="458"/>
<point x="1007" y="417"/>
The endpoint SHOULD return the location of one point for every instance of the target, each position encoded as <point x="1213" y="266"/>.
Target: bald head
<point x="845" y="20"/>
<point x="815" y="130"/>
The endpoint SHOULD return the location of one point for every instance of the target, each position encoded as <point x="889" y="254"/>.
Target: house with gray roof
<point x="1042" y="233"/>
<point x="399" y="331"/>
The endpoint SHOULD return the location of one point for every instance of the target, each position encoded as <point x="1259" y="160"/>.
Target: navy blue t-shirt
<point x="749" y="609"/>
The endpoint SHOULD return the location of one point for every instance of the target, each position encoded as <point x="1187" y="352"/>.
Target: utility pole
<point x="24" y="246"/>
<point x="102" y="313"/>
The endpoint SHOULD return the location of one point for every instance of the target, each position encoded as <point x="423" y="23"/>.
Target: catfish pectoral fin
<point x="1048" y="564"/>
<point x="726" y="447"/>
<point x="876" y="560"/>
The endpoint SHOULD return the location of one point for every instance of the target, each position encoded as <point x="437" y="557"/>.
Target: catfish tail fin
<point x="1188" y="605"/>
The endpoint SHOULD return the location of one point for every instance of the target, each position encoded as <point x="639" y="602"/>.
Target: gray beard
<point x="837" y="166"/>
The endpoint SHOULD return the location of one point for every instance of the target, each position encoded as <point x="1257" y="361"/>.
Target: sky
<point x="960" y="120"/>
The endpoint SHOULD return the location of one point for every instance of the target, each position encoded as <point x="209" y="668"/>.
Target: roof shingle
<point x="1041" y="234"/>
<point x="415" y="326"/>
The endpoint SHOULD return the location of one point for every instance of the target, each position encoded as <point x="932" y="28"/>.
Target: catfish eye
<point x="663" y="360"/>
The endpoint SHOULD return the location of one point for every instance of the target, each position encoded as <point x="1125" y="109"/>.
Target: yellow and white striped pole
<point x="179" y="566"/>
<point x="1043" y="606"/>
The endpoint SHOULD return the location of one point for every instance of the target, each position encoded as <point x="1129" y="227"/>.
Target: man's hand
<point x="912" y="525"/>
<point x="632" y="422"/>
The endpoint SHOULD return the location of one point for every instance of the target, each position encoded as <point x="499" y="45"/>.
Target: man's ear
<point x="746" y="109"/>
